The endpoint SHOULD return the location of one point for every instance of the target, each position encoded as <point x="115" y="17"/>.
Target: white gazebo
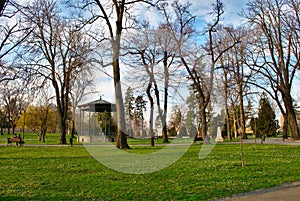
<point x="89" y="127"/>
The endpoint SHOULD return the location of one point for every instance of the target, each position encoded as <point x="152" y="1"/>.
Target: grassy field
<point x="70" y="173"/>
<point x="53" y="139"/>
<point x="32" y="138"/>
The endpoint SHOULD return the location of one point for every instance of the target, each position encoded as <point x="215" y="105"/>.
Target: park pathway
<point x="268" y="141"/>
<point x="284" y="192"/>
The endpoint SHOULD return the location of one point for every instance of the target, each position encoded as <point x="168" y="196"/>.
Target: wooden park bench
<point x="17" y="139"/>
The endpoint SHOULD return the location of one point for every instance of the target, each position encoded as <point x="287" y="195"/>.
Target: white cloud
<point x="201" y="8"/>
<point x="232" y="9"/>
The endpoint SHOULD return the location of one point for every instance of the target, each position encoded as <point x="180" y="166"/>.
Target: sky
<point x="201" y="8"/>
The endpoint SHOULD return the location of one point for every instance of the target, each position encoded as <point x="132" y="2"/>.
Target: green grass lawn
<point x="32" y="138"/>
<point x="70" y="173"/>
<point x="52" y="139"/>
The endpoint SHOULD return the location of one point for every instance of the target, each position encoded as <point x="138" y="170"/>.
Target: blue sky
<point x="201" y="8"/>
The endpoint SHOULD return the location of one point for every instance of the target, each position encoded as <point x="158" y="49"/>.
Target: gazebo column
<point x="83" y="123"/>
<point x="80" y="126"/>
<point x="95" y="126"/>
<point x="89" y="127"/>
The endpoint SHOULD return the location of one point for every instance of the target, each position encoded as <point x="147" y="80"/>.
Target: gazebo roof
<point x="98" y="106"/>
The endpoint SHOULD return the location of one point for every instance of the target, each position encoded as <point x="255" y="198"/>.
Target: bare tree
<point x="143" y="58"/>
<point x="181" y="29"/>
<point x="277" y="23"/>
<point x="201" y="76"/>
<point x="149" y="61"/>
<point x="234" y="65"/>
<point x="79" y="90"/>
<point x="116" y="16"/>
<point x="13" y="33"/>
<point x="56" y="52"/>
<point x="168" y="48"/>
<point x="14" y="99"/>
<point x="156" y="50"/>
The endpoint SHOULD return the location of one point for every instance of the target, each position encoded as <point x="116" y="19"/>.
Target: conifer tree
<point x="266" y="122"/>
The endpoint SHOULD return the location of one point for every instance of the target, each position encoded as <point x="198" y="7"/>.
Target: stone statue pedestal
<point x="219" y="135"/>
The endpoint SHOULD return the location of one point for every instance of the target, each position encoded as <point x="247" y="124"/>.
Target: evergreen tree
<point x="129" y="103"/>
<point x="266" y="123"/>
<point x="175" y="121"/>
<point x="140" y="106"/>
<point x="129" y="110"/>
<point x="191" y="120"/>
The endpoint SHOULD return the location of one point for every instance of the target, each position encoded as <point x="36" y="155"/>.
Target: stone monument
<point x="219" y="135"/>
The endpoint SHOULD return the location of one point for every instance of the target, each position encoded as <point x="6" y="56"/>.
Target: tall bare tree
<point x="234" y="65"/>
<point x="117" y="17"/>
<point x="149" y="61"/>
<point x="80" y="88"/>
<point x="56" y="52"/>
<point x="277" y="23"/>
<point x="200" y="74"/>
<point x="168" y="48"/>
<point x="144" y="57"/>
<point x="180" y="27"/>
<point x="13" y="33"/>
<point x="156" y="51"/>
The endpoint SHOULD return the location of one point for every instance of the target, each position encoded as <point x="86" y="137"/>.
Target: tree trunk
<point x="9" y="125"/>
<point x="13" y="129"/>
<point x="160" y="113"/>
<point x="121" y="123"/>
<point x="242" y="112"/>
<point x="228" y="127"/>
<point x="226" y="108"/>
<point x="285" y="126"/>
<point x="164" y="122"/>
<point x="151" y="131"/>
<point x="164" y="129"/>
<point x="116" y="46"/>
<point x="291" y="114"/>
<point x="43" y="133"/>
<point x="203" y="118"/>
<point x="292" y="120"/>
<point x="63" y="132"/>
<point x="2" y="5"/>
<point x="166" y="86"/>
<point x="73" y="128"/>
<point x="235" y="122"/>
